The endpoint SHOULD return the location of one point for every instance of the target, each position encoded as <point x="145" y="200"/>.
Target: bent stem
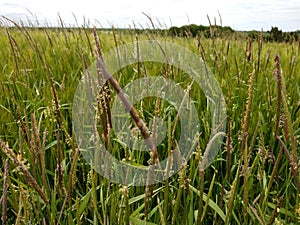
<point x="130" y="108"/>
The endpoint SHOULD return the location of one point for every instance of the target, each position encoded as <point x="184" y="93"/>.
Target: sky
<point x="240" y="15"/>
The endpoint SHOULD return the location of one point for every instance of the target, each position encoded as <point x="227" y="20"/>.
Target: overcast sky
<point x="240" y="15"/>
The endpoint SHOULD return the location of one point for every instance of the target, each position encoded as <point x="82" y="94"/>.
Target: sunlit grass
<point x="36" y="63"/>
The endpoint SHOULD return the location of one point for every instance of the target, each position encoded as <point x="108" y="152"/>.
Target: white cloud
<point x="254" y="14"/>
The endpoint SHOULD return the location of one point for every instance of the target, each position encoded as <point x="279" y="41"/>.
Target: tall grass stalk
<point x="28" y="177"/>
<point x="208" y="196"/>
<point x="72" y="177"/>
<point x="275" y="212"/>
<point x="4" y="194"/>
<point x="166" y="188"/>
<point x="94" y="182"/>
<point x="288" y="126"/>
<point x="126" y="203"/>
<point x="179" y="194"/>
<point x="201" y="189"/>
<point x="232" y="195"/>
<point x="228" y="149"/>
<point x="52" y="183"/>
<point x="245" y="126"/>
<point x="273" y="174"/>
<point x="139" y="122"/>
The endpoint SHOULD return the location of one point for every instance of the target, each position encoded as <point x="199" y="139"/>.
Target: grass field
<point x="45" y="180"/>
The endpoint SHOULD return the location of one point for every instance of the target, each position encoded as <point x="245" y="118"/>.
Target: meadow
<point x="45" y="180"/>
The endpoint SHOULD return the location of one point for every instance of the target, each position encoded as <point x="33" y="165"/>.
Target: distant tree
<point x="192" y="30"/>
<point x="267" y="37"/>
<point x="227" y="29"/>
<point x="174" y="31"/>
<point x="296" y="35"/>
<point x="276" y="34"/>
<point x="253" y="35"/>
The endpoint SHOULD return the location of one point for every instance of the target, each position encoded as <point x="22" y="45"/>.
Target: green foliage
<point x="194" y="30"/>
<point x="276" y="35"/>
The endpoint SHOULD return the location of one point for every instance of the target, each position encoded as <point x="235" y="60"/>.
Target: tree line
<point x="194" y="30"/>
<point x="276" y="35"/>
<point x="273" y="35"/>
